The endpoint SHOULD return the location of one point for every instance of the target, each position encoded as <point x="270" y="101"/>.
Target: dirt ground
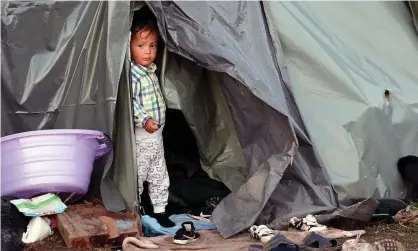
<point x="56" y="243"/>
<point x="408" y="235"/>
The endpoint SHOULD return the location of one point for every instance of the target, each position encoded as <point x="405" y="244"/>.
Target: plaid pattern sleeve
<point x="148" y="101"/>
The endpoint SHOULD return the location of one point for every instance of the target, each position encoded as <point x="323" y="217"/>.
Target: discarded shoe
<point x="262" y="233"/>
<point x="163" y="220"/>
<point x="186" y="234"/>
<point x="315" y="241"/>
<point x="308" y="223"/>
<point x="202" y="212"/>
<point x="255" y="247"/>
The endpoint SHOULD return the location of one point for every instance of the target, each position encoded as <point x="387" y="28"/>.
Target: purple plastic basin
<point x="45" y="161"/>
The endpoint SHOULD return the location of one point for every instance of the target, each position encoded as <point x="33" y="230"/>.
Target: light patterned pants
<point x="151" y="167"/>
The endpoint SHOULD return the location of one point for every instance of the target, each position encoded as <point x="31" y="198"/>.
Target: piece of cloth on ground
<point x="209" y="240"/>
<point x="299" y="236"/>
<point x="152" y="228"/>
<point x="334" y="233"/>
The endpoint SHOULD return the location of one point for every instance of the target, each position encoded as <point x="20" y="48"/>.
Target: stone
<point x="90" y="226"/>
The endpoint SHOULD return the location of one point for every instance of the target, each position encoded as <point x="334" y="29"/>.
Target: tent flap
<point x="63" y="72"/>
<point x="285" y="99"/>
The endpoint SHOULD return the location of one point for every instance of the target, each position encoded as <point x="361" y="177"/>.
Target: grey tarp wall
<point x="68" y="77"/>
<point x="60" y="64"/>
<point x="340" y="57"/>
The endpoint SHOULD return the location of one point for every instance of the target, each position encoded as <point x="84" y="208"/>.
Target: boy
<point x="149" y="117"/>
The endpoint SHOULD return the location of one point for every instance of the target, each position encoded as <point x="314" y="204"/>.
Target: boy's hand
<point x="151" y="126"/>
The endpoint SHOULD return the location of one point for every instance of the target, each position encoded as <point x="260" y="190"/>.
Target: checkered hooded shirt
<point x="148" y="101"/>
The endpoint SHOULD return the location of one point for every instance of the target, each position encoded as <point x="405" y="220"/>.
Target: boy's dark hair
<point x="143" y="26"/>
<point x="143" y="20"/>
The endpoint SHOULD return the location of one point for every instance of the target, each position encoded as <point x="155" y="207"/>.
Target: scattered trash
<point x="38" y="229"/>
<point x="46" y="204"/>
<point x="409" y="215"/>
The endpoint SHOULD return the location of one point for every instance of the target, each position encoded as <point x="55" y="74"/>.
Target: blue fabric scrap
<point x="152" y="228"/>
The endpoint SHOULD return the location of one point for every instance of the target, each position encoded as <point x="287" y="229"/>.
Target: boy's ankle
<point x="164" y="220"/>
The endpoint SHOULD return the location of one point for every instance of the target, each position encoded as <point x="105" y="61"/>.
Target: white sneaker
<point x="313" y="225"/>
<point x="262" y="233"/>
<point x="308" y="224"/>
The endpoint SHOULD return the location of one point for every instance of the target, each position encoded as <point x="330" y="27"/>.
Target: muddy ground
<point x="408" y="235"/>
<point x="55" y="243"/>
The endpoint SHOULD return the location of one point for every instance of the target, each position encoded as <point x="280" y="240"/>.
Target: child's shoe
<point x="186" y="234"/>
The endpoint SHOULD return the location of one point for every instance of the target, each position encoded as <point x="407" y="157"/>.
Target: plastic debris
<point x="47" y="204"/>
<point x="38" y="229"/>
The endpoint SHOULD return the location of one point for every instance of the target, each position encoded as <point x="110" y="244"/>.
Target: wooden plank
<point x="87" y="226"/>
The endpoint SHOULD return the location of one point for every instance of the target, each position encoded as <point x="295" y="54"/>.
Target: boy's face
<point x="144" y="47"/>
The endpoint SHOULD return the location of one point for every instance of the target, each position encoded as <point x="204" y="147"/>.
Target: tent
<point x="285" y="99"/>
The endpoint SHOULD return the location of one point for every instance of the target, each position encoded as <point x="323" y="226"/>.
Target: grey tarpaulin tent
<point x="251" y="78"/>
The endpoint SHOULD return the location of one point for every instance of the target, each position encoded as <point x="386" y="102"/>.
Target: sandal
<point x="255" y="247"/>
<point x="317" y="242"/>
<point x="280" y="243"/>
<point x="262" y="233"/>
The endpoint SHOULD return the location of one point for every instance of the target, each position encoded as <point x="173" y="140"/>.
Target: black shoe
<point x="186" y="234"/>
<point x="163" y="220"/>
<point x="201" y="212"/>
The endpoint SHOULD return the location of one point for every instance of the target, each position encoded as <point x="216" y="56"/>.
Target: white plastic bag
<point x="38" y="229"/>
